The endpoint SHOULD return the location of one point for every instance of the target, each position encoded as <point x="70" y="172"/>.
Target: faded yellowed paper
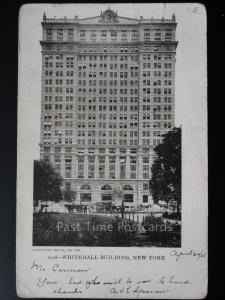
<point x="129" y="271"/>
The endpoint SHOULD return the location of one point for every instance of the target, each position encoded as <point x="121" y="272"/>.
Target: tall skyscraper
<point x="108" y="96"/>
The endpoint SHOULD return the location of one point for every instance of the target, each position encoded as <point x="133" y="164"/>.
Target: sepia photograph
<point x="109" y="171"/>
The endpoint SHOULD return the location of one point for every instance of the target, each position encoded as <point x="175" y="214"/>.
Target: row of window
<point x="124" y="125"/>
<point x="107" y="82"/>
<point x="110" y="107"/>
<point x="111" y="74"/>
<point x="82" y="142"/>
<point x="93" y="74"/>
<point x="113" y="35"/>
<point x="59" y="107"/>
<point x="60" y="90"/>
<point x="110" y="49"/>
<point x="100" y="133"/>
<point x="146" y="116"/>
<point x="105" y="188"/>
<point x="123" y="91"/>
<point x="58" y="81"/>
<point x="93" y="150"/>
<point x="110" y="91"/>
<point x="85" y="117"/>
<point x="59" y="98"/>
<point x="69" y="124"/>
<point x="157" y="82"/>
<point x="70" y="58"/>
<point x="109" y="100"/>
<point x="51" y="73"/>
<point x="110" y="66"/>
<point x="84" y="58"/>
<point x="48" y="139"/>
<point x="102" y="174"/>
<point x="102" y="159"/>
<point x="107" y="65"/>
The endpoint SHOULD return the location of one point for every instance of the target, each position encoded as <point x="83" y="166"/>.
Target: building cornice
<point x="54" y="22"/>
<point x="79" y="43"/>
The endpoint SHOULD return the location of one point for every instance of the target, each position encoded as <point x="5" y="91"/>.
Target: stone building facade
<point x="108" y="96"/>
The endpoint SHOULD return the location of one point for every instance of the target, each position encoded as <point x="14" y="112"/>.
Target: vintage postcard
<point x="112" y="151"/>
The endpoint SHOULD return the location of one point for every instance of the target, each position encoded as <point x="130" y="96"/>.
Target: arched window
<point x="128" y="194"/>
<point x="85" y="187"/>
<point x="106" y="188"/>
<point x="128" y="188"/>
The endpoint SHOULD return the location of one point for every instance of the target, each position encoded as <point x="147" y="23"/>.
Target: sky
<point x="191" y="67"/>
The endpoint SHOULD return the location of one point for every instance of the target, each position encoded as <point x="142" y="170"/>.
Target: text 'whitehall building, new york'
<point x="108" y="93"/>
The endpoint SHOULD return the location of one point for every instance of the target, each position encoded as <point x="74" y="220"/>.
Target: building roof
<point x="107" y="17"/>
